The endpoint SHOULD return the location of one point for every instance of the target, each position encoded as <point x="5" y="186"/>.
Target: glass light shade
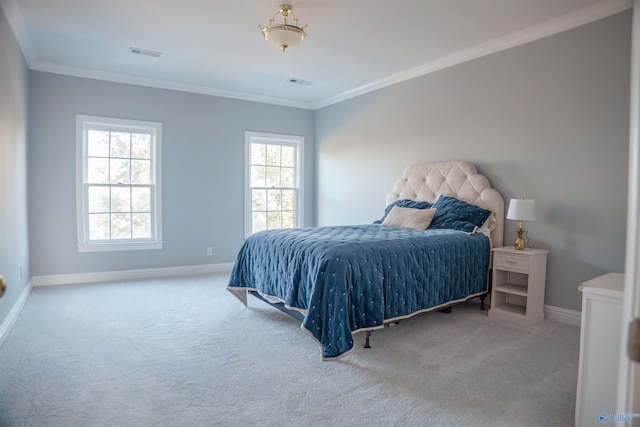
<point x="284" y="36"/>
<point x="522" y="210"/>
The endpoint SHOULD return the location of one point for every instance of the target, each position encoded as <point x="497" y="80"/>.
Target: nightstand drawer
<point x="510" y="262"/>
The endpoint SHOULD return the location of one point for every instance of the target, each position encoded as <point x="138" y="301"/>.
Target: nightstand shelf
<point x="512" y="288"/>
<point x="517" y="295"/>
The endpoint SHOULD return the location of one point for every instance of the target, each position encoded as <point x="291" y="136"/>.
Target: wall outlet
<point x="209" y="251"/>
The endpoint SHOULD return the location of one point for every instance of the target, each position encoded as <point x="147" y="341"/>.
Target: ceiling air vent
<point x="299" y="81"/>
<point x="139" y="51"/>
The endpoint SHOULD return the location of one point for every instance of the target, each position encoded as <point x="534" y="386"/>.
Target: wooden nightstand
<point x="517" y="294"/>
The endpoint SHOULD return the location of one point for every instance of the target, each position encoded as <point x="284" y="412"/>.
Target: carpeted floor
<point x="185" y="352"/>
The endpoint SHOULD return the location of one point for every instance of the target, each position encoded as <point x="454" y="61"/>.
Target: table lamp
<point x="521" y="210"/>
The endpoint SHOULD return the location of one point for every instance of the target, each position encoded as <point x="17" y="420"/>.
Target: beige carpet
<point x="185" y="352"/>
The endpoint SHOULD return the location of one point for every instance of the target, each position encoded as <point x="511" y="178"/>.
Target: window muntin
<point x="118" y="184"/>
<point x="274" y="185"/>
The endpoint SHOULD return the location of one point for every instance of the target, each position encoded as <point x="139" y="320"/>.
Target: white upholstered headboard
<point x="424" y="182"/>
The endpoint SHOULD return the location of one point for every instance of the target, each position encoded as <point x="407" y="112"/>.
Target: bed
<point x="340" y="280"/>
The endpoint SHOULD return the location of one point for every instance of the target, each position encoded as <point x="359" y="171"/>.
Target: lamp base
<point x="519" y="244"/>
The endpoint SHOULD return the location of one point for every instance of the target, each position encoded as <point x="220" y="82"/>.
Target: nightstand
<point x="517" y="294"/>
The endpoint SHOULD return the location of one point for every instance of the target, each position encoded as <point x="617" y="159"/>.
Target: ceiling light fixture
<point x="284" y="36"/>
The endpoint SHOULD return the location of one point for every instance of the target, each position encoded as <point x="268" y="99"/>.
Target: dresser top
<point x="610" y="284"/>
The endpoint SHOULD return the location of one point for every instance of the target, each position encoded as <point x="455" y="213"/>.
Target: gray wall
<point x="202" y="168"/>
<point x="548" y="120"/>
<point x="14" y="240"/>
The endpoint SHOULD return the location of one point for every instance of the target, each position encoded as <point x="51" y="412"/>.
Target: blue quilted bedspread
<point x="350" y="278"/>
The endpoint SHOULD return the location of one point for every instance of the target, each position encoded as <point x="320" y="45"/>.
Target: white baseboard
<point x="570" y="317"/>
<point x="15" y="311"/>
<point x="110" y="276"/>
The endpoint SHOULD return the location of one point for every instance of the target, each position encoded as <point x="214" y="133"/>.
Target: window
<point x="118" y="184"/>
<point x="273" y="192"/>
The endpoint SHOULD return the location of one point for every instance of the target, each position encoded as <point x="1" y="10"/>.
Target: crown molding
<point x="11" y="10"/>
<point x="49" y="67"/>
<point x="548" y="28"/>
<point x="18" y="27"/>
<point x="595" y="12"/>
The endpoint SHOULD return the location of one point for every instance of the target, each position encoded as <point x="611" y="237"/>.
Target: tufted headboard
<point x="424" y="182"/>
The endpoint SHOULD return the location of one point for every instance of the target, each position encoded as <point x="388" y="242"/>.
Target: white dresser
<point x="600" y="334"/>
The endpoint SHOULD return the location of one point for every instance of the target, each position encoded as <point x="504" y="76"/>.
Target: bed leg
<point x="366" y="344"/>
<point x="482" y="297"/>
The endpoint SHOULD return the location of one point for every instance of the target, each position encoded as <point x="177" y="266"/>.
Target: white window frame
<point x="85" y="123"/>
<point x="280" y="139"/>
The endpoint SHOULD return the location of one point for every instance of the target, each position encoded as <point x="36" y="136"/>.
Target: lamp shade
<point x="522" y="210"/>
<point x="284" y="36"/>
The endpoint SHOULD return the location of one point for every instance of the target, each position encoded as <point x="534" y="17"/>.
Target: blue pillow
<point x="456" y="214"/>
<point x="403" y="203"/>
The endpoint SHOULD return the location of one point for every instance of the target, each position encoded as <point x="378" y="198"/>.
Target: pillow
<point x="456" y="214"/>
<point x="418" y="219"/>
<point x="403" y="203"/>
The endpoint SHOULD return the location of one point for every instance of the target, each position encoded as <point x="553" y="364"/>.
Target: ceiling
<point x="215" y="46"/>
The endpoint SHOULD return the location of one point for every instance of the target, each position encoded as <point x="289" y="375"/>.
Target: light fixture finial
<point x="284" y="36"/>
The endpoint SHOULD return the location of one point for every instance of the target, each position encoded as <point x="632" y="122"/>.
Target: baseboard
<point x="15" y="311"/>
<point x="570" y="317"/>
<point x="149" y="273"/>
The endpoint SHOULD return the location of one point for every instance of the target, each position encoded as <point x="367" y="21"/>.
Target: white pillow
<point x="489" y="224"/>
<point x="418" y="219"/>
